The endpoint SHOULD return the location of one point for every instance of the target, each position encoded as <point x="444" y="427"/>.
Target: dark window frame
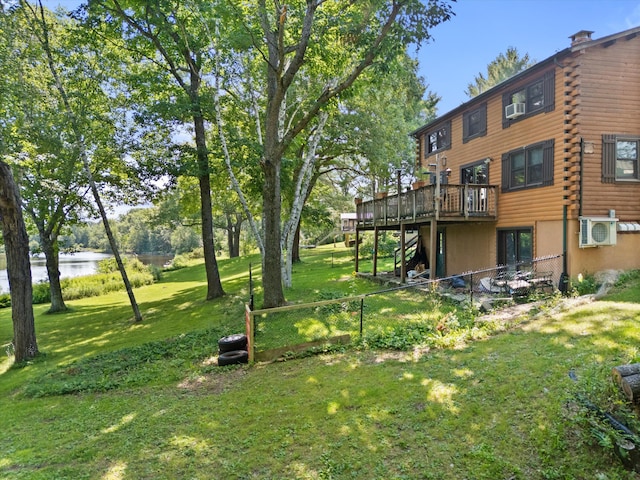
<point x="520" y="258"/>
<point x="480" y="163"/>
<point x="468" y="123"/>
<point x="610" y="158"/>
<point x="443" y="139"/>
<point x="529" y="95"/>
<point x="546" y="167"/>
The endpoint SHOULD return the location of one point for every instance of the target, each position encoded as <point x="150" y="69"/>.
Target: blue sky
<point x="462" y="48"/>
<point x="482" y="29"/>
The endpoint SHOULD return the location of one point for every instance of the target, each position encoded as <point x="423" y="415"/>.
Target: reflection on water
<point x="71" y="265"/>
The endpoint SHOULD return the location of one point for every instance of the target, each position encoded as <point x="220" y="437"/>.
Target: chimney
<point x="581" y="37"/>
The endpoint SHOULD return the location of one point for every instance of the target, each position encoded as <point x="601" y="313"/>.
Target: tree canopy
<point x="505" y="66"/>
<point x="275" y="101"/>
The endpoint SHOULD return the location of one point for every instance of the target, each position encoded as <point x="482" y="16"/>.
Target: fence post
<point x="248" y="319"/>
<point x="250" y="289"/>
<point x="361" y="314"/>
<point x="471" y="289"/>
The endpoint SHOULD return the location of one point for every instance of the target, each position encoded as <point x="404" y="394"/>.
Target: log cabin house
<point x="546" y="162"/>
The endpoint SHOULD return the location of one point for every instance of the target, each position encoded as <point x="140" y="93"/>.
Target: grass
<point x="154" y="405"/>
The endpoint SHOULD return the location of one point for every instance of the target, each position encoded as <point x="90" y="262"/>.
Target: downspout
<point x="563" y="284"/>
<point x="581" y="175"/>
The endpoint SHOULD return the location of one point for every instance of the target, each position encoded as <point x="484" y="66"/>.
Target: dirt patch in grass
<point x="516" y="314"/>
<point x="213" y="383"/>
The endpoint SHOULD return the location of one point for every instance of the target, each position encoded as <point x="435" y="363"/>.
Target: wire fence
<point x="539" y="276"/>
<point x="297" y="327"/>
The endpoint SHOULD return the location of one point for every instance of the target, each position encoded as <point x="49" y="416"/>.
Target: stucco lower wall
<point x="547" y="238"/>
<point x="470" y="247"/>
<point x="473" y="247"/>
<point x="625" y="255"/>
<point x="467" y="247"/>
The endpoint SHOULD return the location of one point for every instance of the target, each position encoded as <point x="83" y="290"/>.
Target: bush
<point x="41" y="293"/>
<point x="584" y="285"/>
<point x="185" y="259"/>
<point x="387" y="245"/>
<point x="5" y="300"/>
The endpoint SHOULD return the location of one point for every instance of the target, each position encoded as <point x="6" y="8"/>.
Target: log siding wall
<point x="596" y="92"/>
<point x="609" y="104"/>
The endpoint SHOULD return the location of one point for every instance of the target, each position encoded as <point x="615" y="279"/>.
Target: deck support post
<point x="357" y="249"/>
<point x="403" y="250"/>
<point x="375" y="251"/>
<point x="433" y="244"/>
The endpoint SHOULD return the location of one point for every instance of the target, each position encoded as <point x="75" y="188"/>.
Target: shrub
<point x="41" y="293"/>
<point x="584" y="285"/>
<point x="387" y="245"/>
<point x="5" y="300"/>
<point x="185" y="259"/>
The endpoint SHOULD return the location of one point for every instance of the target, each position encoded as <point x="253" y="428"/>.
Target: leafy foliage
<point x="503" y="67"/>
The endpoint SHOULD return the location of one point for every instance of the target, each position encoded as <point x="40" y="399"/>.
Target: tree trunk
<point x="272" y="258"/>
<point x="229" y="233"/>
<point x="233" y="234"/>
<point x="214" y="285"/>
<point x="114" y="246"/>
<point x="16" y="244"/>
<point x="51" y="254"/>
<point x="295" y="254"/>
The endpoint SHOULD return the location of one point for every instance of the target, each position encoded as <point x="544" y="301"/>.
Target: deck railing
<point x="454" y="201"/>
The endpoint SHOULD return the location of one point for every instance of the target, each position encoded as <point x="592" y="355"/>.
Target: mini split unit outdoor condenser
<point x="597" y="231"/>
<point x="514" y="110"/>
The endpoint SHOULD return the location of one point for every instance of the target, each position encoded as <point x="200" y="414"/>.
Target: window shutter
<point x="506" y="172"/>
<point x="547" y="163"/>
<point x="483" y="128"/>
<point x="608" y="158"/>
<point x="549" y="91"/>
<point x="465" y="127"/>
<point x="447" y="140"/>
<point x="505" y="101"/>
<point x="425" y="145"/>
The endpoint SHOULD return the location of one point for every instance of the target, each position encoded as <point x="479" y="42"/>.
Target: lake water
<point x="71" y="265"/>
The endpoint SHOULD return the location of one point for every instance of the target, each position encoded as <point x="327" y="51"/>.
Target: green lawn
<point x="455" y="403"/>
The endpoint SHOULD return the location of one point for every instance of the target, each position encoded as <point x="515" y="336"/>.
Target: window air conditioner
<point x="597" y="231"/>
<point x="514" y="110"/>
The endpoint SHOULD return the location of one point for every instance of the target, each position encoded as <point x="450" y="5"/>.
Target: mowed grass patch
<point x="499" y="407"/>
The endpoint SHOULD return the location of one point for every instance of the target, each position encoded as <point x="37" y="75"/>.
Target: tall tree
<point x="162" y="35"/>
<point x="362" y="138"/>
<point x="47" y="161"/>
<point x="18" y="267"/>
<point x="505" y="66"/>
<point x="324" y="46"/>
<point x="42" y="30"/>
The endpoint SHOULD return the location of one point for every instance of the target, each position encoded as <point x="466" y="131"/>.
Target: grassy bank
<point x="155" y="405"/>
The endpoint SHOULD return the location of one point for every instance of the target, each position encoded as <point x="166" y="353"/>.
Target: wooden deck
<point x="456" y="203"/>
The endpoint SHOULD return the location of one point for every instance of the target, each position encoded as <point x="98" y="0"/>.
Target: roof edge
<point x="540" y="65"/>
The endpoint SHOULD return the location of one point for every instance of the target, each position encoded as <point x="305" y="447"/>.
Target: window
<point x="620" y="158"/>
<point x="537" y="96"/>
<point x="515" y="247"/>
<point x="474" y="123"/>
<point x="528" y="167"/>
<point x="475" y="174"/>
<point x="437" y="139"/>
